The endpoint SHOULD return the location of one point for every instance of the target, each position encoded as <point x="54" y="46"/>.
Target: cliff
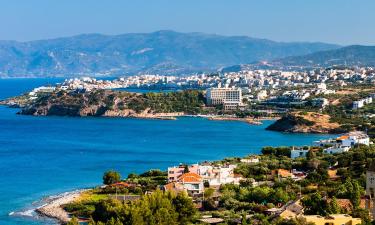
<point x="305" y="123"/>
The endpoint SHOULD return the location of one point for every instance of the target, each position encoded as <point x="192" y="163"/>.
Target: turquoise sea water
<point x="42" y="156"/>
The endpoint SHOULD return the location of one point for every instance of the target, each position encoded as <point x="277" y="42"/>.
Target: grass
<point x="92" y="196"/>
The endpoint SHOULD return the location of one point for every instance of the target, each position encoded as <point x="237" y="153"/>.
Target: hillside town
<point x="271" y="87"/>
<point x="308" y="184"/>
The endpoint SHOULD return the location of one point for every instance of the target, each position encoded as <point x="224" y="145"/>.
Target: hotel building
<point x="230" y="98"/>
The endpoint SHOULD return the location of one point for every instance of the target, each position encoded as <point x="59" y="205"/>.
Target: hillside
<point x="351" y="56"/>
<point x="305" y="123"/>
<point x="111" y="103"/>
<point x="165" y="52"/>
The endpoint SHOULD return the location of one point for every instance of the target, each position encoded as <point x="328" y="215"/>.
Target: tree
<point x="355" y="194"/>
<point x="310" y="155"/>
<point x="73" y="221"/>
<point x="184" y="207"/>
<point x="333" y="207"/>
<point x="186" y="169"/>
<point x="209" y="192"/>
<point x="111" y="177"/>
<point x="315" y="204"/>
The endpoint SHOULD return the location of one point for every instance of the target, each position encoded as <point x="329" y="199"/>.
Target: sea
<point x="42" y="157"/>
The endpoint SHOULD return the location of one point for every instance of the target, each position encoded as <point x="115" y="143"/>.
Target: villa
<point x="217" y="176"/>
<point x="214" y="175"/>
<point x="177" y="171"/>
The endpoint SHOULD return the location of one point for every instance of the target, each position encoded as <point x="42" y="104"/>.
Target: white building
<point x="336" y="149"/>
<point x="320" y="102"/>
<point x="298" y="153"/>
<point x="42" y="89"/>
<point x="358" y="104"/>
<point x="230" y="98"/>
<point x="262" y="95"/>
<point x="217" y="176"/>
<point x="250" y="160"/>
<point x="353" y="138"/>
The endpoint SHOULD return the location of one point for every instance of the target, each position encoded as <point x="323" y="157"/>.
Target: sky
<point x="334" y="21"/>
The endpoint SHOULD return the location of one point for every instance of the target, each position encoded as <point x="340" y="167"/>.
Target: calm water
<point x="41" y="156"/>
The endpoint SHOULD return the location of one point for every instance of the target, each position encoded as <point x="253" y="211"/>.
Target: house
<point x="281" y="173"/>
<point x="175" y="172"/>
<point x="174" y="187"/>
<point x="336" y="149"/>
<point x="298" y="153"/>
<point x="218" y="175"/>
<point x="352" y="138"/>
<point x="298" y="175"/>
<point x="335" y="219"/>
<point x="250" y="160"/>
<point x="344" y="142"/>
<point x="320" y="102"/>
<point x="362" y="102"/>
<point x="191" y="182"/>
<point x="291" y="210"/>
<point x="358" y="104"/>
<point x="332" y="174"/>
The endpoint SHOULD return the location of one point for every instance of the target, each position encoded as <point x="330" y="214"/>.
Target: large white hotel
<point x="230" y="98"/>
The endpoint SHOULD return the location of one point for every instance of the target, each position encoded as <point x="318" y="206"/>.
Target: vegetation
<point x="111" y="177"/>
<point x="260" y="190"/>
<point x="98" y="102"/>
<point x="190" y="101"/>
<point x="156" y="208"/>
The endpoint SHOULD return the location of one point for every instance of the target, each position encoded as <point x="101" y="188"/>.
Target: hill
<point x="355" y="55"/>
<point x="164" y="52"/>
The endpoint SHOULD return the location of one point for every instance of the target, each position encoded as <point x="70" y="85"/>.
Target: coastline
<point x="53" y="208"/>
<point x="249" y="120"/>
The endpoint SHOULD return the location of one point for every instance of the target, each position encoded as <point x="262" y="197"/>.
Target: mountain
<point x="351" y="56"/>
<point x="164" y="52"/>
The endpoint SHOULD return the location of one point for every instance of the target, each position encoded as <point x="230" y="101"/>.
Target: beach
<point x="53" y="208"/>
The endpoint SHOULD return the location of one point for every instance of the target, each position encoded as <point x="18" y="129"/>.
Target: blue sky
<point x="335" y="21"/>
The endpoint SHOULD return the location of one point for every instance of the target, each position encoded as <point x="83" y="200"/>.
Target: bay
<point x="42" y="156"/>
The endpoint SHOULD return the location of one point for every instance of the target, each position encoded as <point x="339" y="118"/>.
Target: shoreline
<point x="53" y="208"/>
<point x="171" y="116"/>
<point x="249" y="120"/>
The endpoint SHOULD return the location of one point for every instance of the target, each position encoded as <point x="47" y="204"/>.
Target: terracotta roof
<point x="283" y="173"/>
<point x="345" y="204"/>
<point x="190" y="178"/>
<point x="344" y="137"/>
<point x="173" y="187"/>
<point x="332" y="174"/>
<point x="237" y="175"/>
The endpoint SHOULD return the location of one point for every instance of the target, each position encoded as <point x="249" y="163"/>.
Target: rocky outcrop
<point x="305" y="123"/>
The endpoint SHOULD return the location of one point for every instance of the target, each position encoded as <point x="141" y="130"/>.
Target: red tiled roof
<point x="190" y="178"/>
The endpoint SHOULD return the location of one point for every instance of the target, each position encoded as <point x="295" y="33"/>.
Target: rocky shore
<point x="53" y="208"/>
<point x="246" y="120"/>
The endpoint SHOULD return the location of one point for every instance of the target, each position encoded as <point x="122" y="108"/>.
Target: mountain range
<point x="163" y="52"/>
<point x="354" y="55"/>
